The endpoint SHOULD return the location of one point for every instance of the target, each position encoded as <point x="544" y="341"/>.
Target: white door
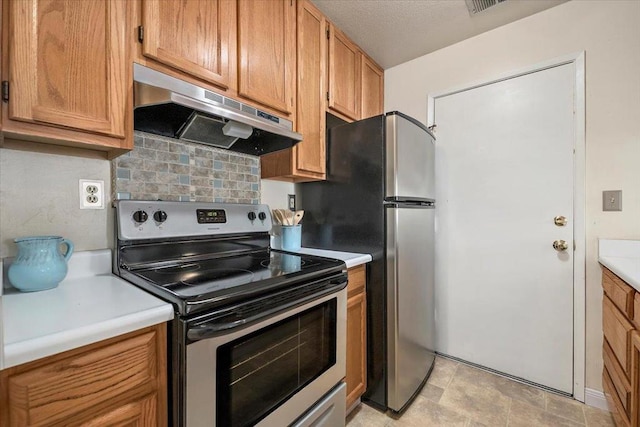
<point x="504" y="295"/>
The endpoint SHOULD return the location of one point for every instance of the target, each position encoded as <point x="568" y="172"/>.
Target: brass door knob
<point x="560" y="245"/>
<point x="560" y="221"/>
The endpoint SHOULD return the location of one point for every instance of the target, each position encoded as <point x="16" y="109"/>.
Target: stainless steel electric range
<point x="259" y="335"/>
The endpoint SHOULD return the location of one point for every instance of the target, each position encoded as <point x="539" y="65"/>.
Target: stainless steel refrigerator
<point x="379" y="198"/>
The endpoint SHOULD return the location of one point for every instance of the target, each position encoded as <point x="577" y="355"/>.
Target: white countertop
<point x="88" y="306"/>
<point x="623" y="258"/>
<point x="350" y="258"/>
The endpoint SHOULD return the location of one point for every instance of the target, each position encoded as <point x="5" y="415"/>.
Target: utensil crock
<point x="39" y="265"/>
<point x="291" y="237"/>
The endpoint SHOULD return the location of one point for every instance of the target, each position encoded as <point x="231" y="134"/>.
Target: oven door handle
<point x="292" y="299"/>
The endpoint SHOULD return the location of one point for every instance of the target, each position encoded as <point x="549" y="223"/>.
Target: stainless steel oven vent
<point x="167" y="106"/>
<point x="206" y="130"/>
<point x="477" y="6"/>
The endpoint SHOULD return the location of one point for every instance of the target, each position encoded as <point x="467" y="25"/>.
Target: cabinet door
<point x="2" y="59"/>
<point x="356" y="347"/>
<point x="123" y="378"/>
<point x="68" y="64"/>
<point x="267" y="55"/>
<point x="372" y="88"/>
<point x="617" y="332"/>
<point x="344" y="75"/>
<point x="312" y="54"/>
<point x="191" y="35"/>
<point x="635" y="379"/>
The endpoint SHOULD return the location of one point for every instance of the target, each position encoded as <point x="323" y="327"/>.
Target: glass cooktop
<point x="223" y="275"/>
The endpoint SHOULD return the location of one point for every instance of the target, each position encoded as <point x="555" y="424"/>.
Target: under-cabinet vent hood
<point x="165" y="105"/>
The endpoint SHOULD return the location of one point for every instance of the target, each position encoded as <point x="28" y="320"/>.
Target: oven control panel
<point x="213" y="216"/>
<point x="138" y="219"/>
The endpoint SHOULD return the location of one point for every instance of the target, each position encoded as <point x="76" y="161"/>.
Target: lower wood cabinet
<point x="142" y="412"/>
<point x="634" y="390"/>
<point x="356" y="334"/>
<point x="120" y="381"/>
<point x="621" y="349"/>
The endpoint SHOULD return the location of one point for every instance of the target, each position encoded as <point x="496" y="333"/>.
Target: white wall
<point x="275" y="193"/>
<point x="608" y="31"/>
<point x="39" y="196"/>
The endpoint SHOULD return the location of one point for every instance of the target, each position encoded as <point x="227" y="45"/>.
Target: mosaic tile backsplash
<point x="169" y="169"/>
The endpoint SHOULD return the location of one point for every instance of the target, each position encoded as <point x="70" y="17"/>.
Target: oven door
<point x="270" y="372"/>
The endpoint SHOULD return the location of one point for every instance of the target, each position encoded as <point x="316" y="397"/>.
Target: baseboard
<point x="595" y="398"/>
<point x="353" y="406"/>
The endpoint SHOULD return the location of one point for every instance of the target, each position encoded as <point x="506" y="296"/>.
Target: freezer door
<point x="410" y="301"/>
<point x="410" y="159"/>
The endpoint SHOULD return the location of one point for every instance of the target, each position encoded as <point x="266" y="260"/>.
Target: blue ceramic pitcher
<point x="39" y="265"/>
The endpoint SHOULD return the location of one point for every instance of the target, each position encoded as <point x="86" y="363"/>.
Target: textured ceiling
<point x="396" y="31"/>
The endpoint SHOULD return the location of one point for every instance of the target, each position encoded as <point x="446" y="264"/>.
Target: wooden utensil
<point x="297" y="217"/>
<point x="283" y="216"/>
<point x="278" y="216"/>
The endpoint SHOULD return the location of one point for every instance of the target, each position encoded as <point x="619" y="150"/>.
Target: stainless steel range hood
<point x="165" y="105"/>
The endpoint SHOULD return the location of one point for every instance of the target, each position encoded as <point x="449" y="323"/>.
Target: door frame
<point x="579" y="209"/>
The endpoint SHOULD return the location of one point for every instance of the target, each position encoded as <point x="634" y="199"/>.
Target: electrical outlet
<point x="292" y="202"/>
<point x="91" y="194"/>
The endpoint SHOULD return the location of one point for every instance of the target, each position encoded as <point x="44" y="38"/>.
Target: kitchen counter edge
<point x="622" y="257"/>
<point x="89" y="306"/>
<point x="351" y="259"/>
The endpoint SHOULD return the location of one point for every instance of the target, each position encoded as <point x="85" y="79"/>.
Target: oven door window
<point x="258" y="372"/>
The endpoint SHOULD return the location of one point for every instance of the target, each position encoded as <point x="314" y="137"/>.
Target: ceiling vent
<point x="477" y="6"/>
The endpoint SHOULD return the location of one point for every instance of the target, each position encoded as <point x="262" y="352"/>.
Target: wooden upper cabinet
<point x="344" y="75"/>
<point x="306" y="160"/>
<point x="312" y="53"/>
<point x="1" y="61"/>
<point x="372" y="88"/>
<point x="68" y="64"/>
<point x="193" y="36"/>
<point x="267" y="52"/>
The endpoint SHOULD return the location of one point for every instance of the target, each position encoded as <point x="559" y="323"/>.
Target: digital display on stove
<point x="211" y="216"/>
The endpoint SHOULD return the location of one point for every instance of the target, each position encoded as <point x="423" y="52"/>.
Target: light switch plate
<point x="612" y="200"/>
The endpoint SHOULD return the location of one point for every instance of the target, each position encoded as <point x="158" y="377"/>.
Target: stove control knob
<point x="252" y="216"/>
<point x="140" y="216"/>
<point x="160" y="216"/>
<point x="262" y="216"/>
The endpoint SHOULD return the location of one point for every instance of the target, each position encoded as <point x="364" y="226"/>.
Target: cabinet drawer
<point x="357" y="280"/>
<point x="617" y="411"/>
<point x="636" y="310"/>
<point x="617" y="332"/>
<point x="621" y="294"/>
<point x="620" y="383"/>
<point x="59" y="390"/>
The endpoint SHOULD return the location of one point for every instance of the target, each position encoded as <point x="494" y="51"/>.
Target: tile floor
<point x="460" y="395"/>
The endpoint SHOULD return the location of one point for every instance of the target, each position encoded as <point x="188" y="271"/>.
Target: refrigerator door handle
<point x="394" y="202"/>
<point x="411" y="200"/>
